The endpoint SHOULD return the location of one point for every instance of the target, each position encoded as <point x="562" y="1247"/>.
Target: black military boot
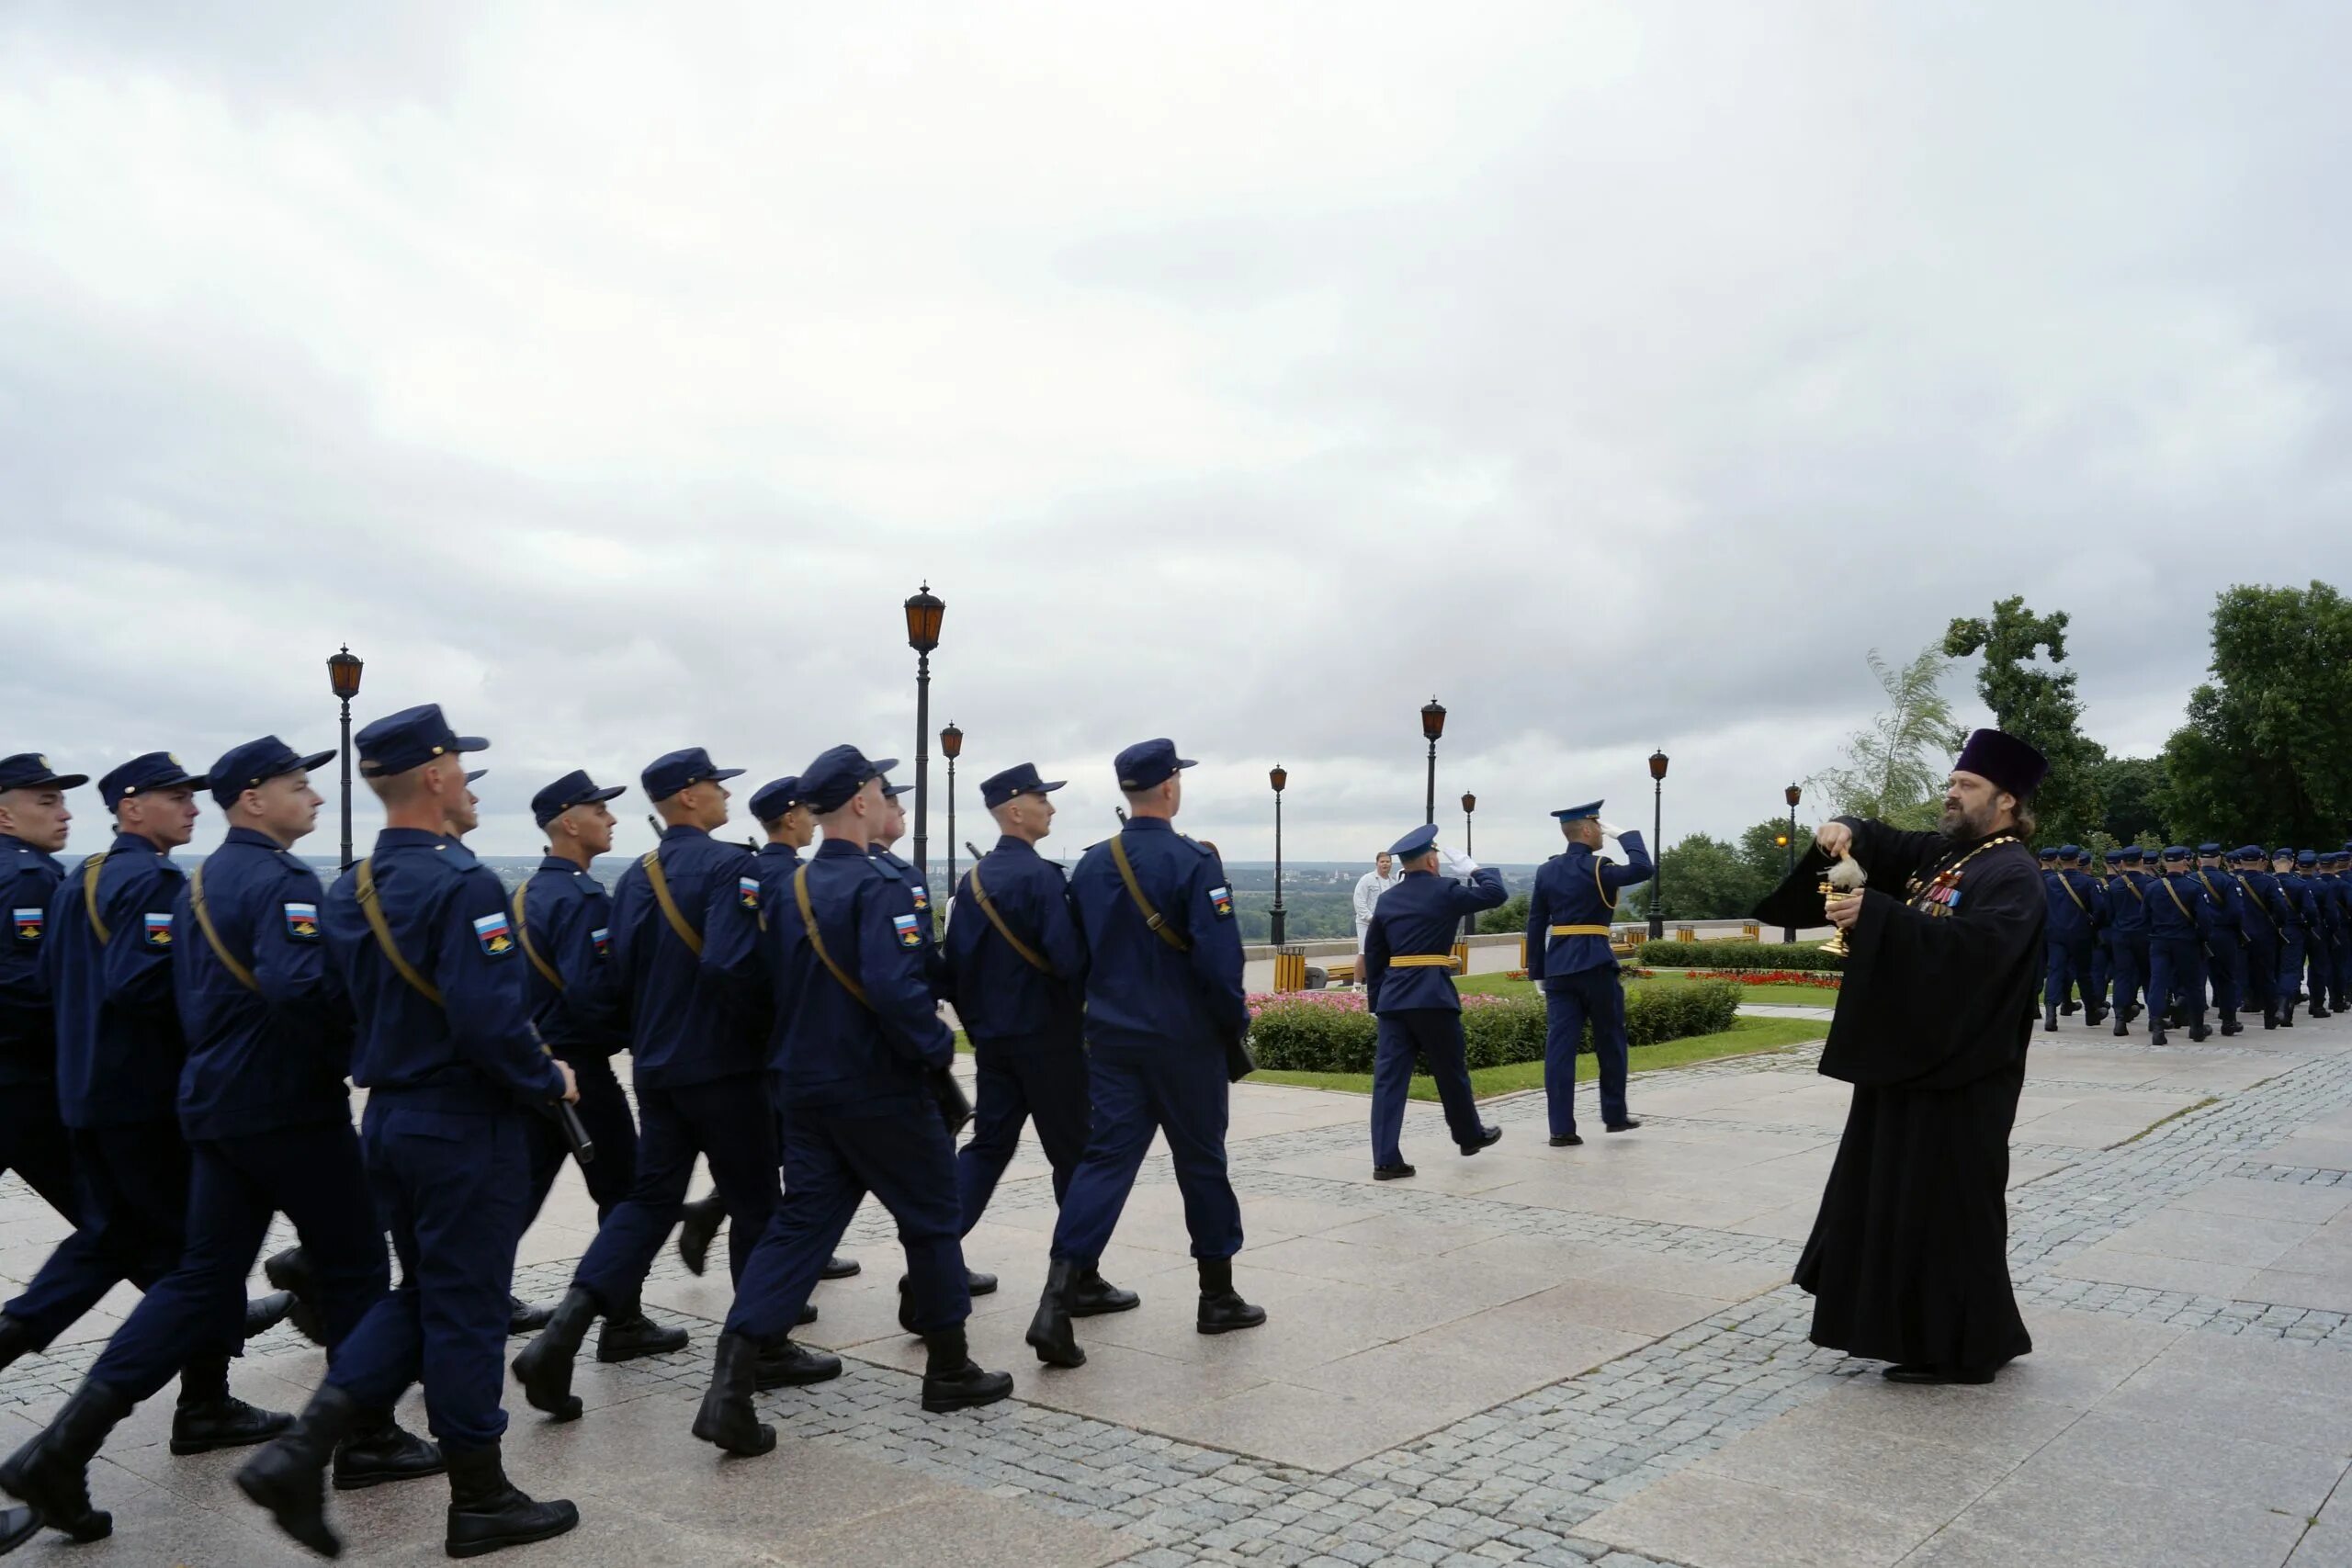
<point x="2093" y="1016"/>
<point x="728" y="1417"/>
<point x="699" y="1225"/>
<point x="266" y="1313"/>
<point x="2315" y="1010"/>
<point x="2155" y="1031"/>
<point x="210" y="1417"/>
<point x="952" y="1380"/>
<point x="2048" y="1019"/>
<point x="16" y="1341"/>
<point x="1093" y="1296"/>
<point x="1049" y="1332"/>
<point x="1488" y="1138"/>
<point x="1222" y="1308"/>
<point x="522" y="1317"/>
<point x="289" y="1477"/>
<point x="786" y="1365"/>
<point x="2197" y="1029"/>
<point x="378" y="1448"/>
<point x="840" y="1268"/>
<point x="2269" y="1015"/>
<point x="2069" y="1006"/>
<point x="488" y="1512"/>
<point x="544" y="1367"/>
<point x="2122" y="1023"/>
<point x="291" y="1271"/>
<point x="17" y="1526"/>
<point x="51" y="1472"/>
<point x="629" y="1334"/>
<point x="2230" y="1025"/>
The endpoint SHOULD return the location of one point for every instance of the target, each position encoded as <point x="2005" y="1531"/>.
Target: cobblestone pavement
<point x="1536" y="1356"/>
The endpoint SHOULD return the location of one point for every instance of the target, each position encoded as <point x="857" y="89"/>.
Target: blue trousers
<point x="35" y="1144"/>
<point x="832" y="1158"/>
<point x="2340" y="970"/>
<point x="2291" y="966"/>
<point x="455" y="1189"/>
<point x="314" y="1176"/>
<point x="2261" y="971"/>
<point x="2320" y="962"/>
<point x="2129" y="957"/>
<point x="604" y="1111"/>
<point x="1179" y="1090"/>
<point x="1597" y="996"/>
<point x="2101" y="971"/>
<point x="2069" y="964"/>
<point x="2225" y="968"/>
<point x="2175" y="975"/>
<point x="1039" y="1078"/>
<point x="731" y="1121"/>
<point x="1435" y="1035"/>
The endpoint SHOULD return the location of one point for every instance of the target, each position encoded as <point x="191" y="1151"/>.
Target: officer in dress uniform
<point x="2180" y="924"/>
<point x="2226" y="949"/>
<point x="1567" y="951"/>
<point x="268" y="1119"/>
<point x="685" y="932"/>
<point x="1164" y="1008"/>
<point x="422" y="938"/>
<point x="2100" y="944"/>
<point x="860" y="1044"/>
<point x="1017" y="964"/>
<point x="2127" y="902"/>
<point x="1409" y="973"/>
<point x="2260" y="906"/>
<point x="2070" y="934"/>
<point x="120" y="1047"/>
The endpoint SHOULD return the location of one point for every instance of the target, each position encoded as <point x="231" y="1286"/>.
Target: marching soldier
<point x="1567" y="949"/>
<point x="860" y="1042"/>
<point x="2261" y="920"/>
<point x="421" y="936"/>
<point x="2293" y="909"/>
<point x="2227" y="947"/>
<point x="2127" y="900"/>
<point x="1165" y="1014"/>
<point x="1018" y="966"/>
<point x="2180" y="923"/>
<point x="2318" y="928"/>
<point x="2070" y="934"/>
<point x="2102" y="945"/>
<point x="1409" y="973"/>
<point x="2328" y="894"/>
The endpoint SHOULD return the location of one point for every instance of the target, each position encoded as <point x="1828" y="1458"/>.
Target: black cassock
<point x="1908" y="1260"/>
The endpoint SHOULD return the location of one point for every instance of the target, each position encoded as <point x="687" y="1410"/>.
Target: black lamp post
<point x="1469" y="805"/>
<point x="1432" y="725"/>
<point x="951" y="746"/>
<point x="1658" y="833"/>
<point x="1789" y="933"/>
<point x="1278" y="778"/>
<point x="924" y="612"/>
<point x="343" y="675"/>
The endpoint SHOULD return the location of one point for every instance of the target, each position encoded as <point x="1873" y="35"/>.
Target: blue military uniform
<point x="1567" y="951"/>
<point x="2180" y="924"/>
<point x="2260" y="919"/>
<point x="1409" y="975"/>
<point x="563" y="919"/>
<point x="1164" y="1008"/>
<point x="2102" y="945"/>
<point x="2127" y="902"/>
<point x="2327" y="895"/>
<point x="2294" y="910"/>
<point x="2070" y="934"/>
<point x="2225" y="950"/>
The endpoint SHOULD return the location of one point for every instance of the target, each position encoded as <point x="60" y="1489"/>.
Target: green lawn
<point x="1748" y="1035"/>
<point x="1786" y="996"/>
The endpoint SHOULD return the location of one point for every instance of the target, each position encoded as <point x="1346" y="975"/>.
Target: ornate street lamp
<point x="951" y="746"/>
<point x="1278" y="778"/>
<point x="1432" y="725"/>
<point x="1469" y="805"/>
<point x="1789" y="933"/>
<point x="343" y="676"/>
<point x="924" y="612"/>
<point x="1658" y="836"/>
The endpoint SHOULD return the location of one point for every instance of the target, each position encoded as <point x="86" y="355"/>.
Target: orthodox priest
<point x="1908" y="1259"/>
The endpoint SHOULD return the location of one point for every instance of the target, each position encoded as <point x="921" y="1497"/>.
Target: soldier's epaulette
<point x="1206" y="850"/>
<point x="460" y="858"/>
<point x="889" y="872"/>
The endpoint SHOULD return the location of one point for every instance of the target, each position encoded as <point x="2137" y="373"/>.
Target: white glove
<point x="1609" y="832"/>
<point x="1454" y="865"/>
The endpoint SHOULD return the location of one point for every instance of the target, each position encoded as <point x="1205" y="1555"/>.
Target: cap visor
<point x="199" y="781"/>
<point x="469" y="743"/>
<point x="610" y="792"/>
<point x="1049" y="787"/>
<point x="59" y="781"/>
<point x="883" y="764"/>
<point x="1186" y="762"/>
<point x="893" y="790"/>
<point x="727" y="772"/>
<point x="316" y="760"/>
<point x="475" y="773"/>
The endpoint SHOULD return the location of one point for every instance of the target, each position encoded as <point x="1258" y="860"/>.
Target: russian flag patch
<point x="1223" y="898"/>
<point x="747" y="892"/>
<point x="496" y="936"/>
<point x="603" y="938"/>
<point x="909" y="930"/>
<point x="28" y="924"/>
<point x="159" y="929"/>
<point x="922" y="896"/>
<point x="302" y="921"/>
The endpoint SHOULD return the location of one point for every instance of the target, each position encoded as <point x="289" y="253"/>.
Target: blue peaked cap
<point x="1578" y="813"/>
<point x="1415" y="842"/>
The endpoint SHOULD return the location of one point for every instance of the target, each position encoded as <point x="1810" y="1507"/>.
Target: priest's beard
<point x="1962" y="826"/>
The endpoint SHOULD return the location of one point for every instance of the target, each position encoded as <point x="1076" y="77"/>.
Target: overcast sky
<point x="1243" y="373"/>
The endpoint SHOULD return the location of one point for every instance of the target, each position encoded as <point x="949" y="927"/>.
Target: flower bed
<point x="1773" y="977"/>
<point x="1775" y="956"/>
<point x="1333" y="1032"/>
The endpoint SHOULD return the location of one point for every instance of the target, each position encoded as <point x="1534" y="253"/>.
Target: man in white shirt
<point x="1369" y="888"/>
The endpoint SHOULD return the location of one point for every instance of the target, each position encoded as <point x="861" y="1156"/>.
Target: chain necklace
<point x="1939" y="894"/>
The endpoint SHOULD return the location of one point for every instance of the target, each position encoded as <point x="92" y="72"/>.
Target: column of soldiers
<point x="175" y="1050"/>
<point x="2244" y="931"/>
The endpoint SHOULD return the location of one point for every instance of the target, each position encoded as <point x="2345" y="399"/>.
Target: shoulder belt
<point x="530" y="948"/>
<point x="2066" y="884"/>
<point x="1151" y="917"/>
<point x="2135" y="890"/>
<point x="2176" y="904"/>
<point x="365" y="876"/>
<point x="212" y="935"/>
<point x="988" y="908"/>
<point x="90" y="895"/>
<point x="652" y="862"/>
<point x="2256" y="899"/>
<point x="817" y="939"/>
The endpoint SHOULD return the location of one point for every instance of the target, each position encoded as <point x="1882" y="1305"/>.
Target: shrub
<point x="1334" y="1033"/>
<point x="1738" y="956"/>
<point x="1508" y="918"/>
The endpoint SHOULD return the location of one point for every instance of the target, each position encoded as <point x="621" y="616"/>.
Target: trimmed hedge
<point x="1297" y="1035"/>
<point x="1738" y="956"/>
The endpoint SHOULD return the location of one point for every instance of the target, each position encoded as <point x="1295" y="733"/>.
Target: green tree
<point x="1506" y="918"/>
<point x="1764" y="848"/>
<point x="1705" y="879"/>
<point x="2038" y="706"/>
<point x="1895" y="769"/>
<point x="2130" y="789"/>
<point x="2265" y="753"/>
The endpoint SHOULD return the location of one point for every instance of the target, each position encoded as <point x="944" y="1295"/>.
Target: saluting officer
<point x="1165" y="1011"/>
<point x="1567" y="949"/>
<point x="685" y="925"/>
<point x="1018" y="966"/>
<point x="2127" y="900"/>
<point x="859" y="1042"/>
<point x="422" y="938"/>
<point x="2180" y="922"/>
<point x="268" y="1119"/>
<point x="2261" y="917"/>
<point x="2226" y="948"/>
<point x="1408" y="978"/>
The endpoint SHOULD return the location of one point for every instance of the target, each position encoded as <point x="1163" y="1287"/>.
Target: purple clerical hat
<point x="2009" y="763"/>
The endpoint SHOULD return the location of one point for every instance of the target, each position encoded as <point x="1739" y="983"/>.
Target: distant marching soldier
<point x="268" y="1119"/>
<point x="1166" y="1012"/>
<point x="1019" y="965"/>
<point x="2102" y="944"/>
<point x="2227" y="947"/>
<point x="2261" y="922"/>
<point x="2293" y="909"/>
<point x="2329" y="892"/>
<point x="423" y="940"/>
<point x="2318" y="928"/>
<point x="1408" y="973"/>
<point x="2069" y="934"/>
<point x="1567" y="951"/>
<point x="860" y="1047"/>
<point x="2127" y="903"/>
<point x="2180" y="924"/>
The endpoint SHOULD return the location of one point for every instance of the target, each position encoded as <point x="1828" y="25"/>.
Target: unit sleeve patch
<point x="302" y="923"/>
<point x="157" y="928"/>
<point x="909" y="930"/>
